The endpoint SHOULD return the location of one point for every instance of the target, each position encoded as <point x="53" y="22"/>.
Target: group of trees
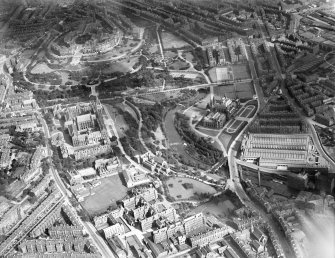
<point x="153" y="116"/>
<point x="198" y="147"/>
<point x="5" y="180"/>
<point x="129" y="119"/>
<point x="28" y="141"/>
<point x="201" y="196"/>
<point x="200" y="57"/>
<point x="143" y="78"/>
<point x="131" y="142"/>
<point x="19" y="80"/>
<point x="80" y="92"/>
<point x="52" y="78"/>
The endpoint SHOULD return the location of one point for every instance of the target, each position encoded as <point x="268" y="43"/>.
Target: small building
<point x="87" y="172"/>
<point x="108" y="167"/>
<point x="326" y="120"/>
<point x="258" y="235"/>
<point x="135" y="177"/>
<point x="257" y="246"/>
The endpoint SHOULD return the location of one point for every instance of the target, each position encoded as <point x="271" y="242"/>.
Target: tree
<point x="45" y="165"/>
<point x="32" y="199"/>
<point x="117" y="151"/>
<point x="83" y="215"/>
<point x="26" y="192"/>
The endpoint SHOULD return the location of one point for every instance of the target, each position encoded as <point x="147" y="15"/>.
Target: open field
<point x="15" y="188"/>
<point x="126" y="107"/>
<point x="178" y="191"/>
<point x="241" y="71"/>
<point x="170" y="54"/>
<point x="244" y="86"/>
<point x="209" y="132"/>
<point x="189" y="57"/>
<point x="220" y="74"/>
<point x="159" y="138"/>
<point x="154" y="49"/>
<point x="41" y="68"/>
<point x="192" y="76"/>
<point x="108" y="193"/>
<point x="225" y="139"/>
<point x="179" y="65"/>
<point x="65" y="76"/>
<point x="61" y="74"/>
<point x="170" y="40"/>
<point x="160" y="96"/>
<point x="120" y="124"/>
<point x="243" y="91"/>
<point x="219" y="210"/>
<point x="122" y="67"/>
<point x="330" y="151"/>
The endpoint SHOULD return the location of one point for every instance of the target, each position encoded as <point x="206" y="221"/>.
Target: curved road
<point x="235" y="183"/>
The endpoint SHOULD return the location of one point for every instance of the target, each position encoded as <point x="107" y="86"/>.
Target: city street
<point x="97" y="240"/>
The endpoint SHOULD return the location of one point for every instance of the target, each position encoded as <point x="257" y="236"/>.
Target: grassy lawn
<point x="209" y="132"/>
<point x="330" y="151"/>
<point x="219" y="74"/>
<point x="120" y="124"/>
<point x="108" y="193"/>
<point x="41" y="68"/>
<point x="189" y="57"/>
<point x="243" y="91"/>
<point x="244" y="86"/>
<point x="225" y="139"/>
<point x="170" y="54"/>
<point x="241" y="71"/>
<point x="179" y="65"/>
<point x="171" y="41"/>
<point x="127" y="108"/>
<point x="219" y="210"/>
<point x="15" y="188"/>
<point x="178" y="191"/>
<point x="122" y="67"/>
<point x="158" y="97"/>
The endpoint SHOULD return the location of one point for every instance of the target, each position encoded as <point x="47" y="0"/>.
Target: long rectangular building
<point x="275" y="150"/>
